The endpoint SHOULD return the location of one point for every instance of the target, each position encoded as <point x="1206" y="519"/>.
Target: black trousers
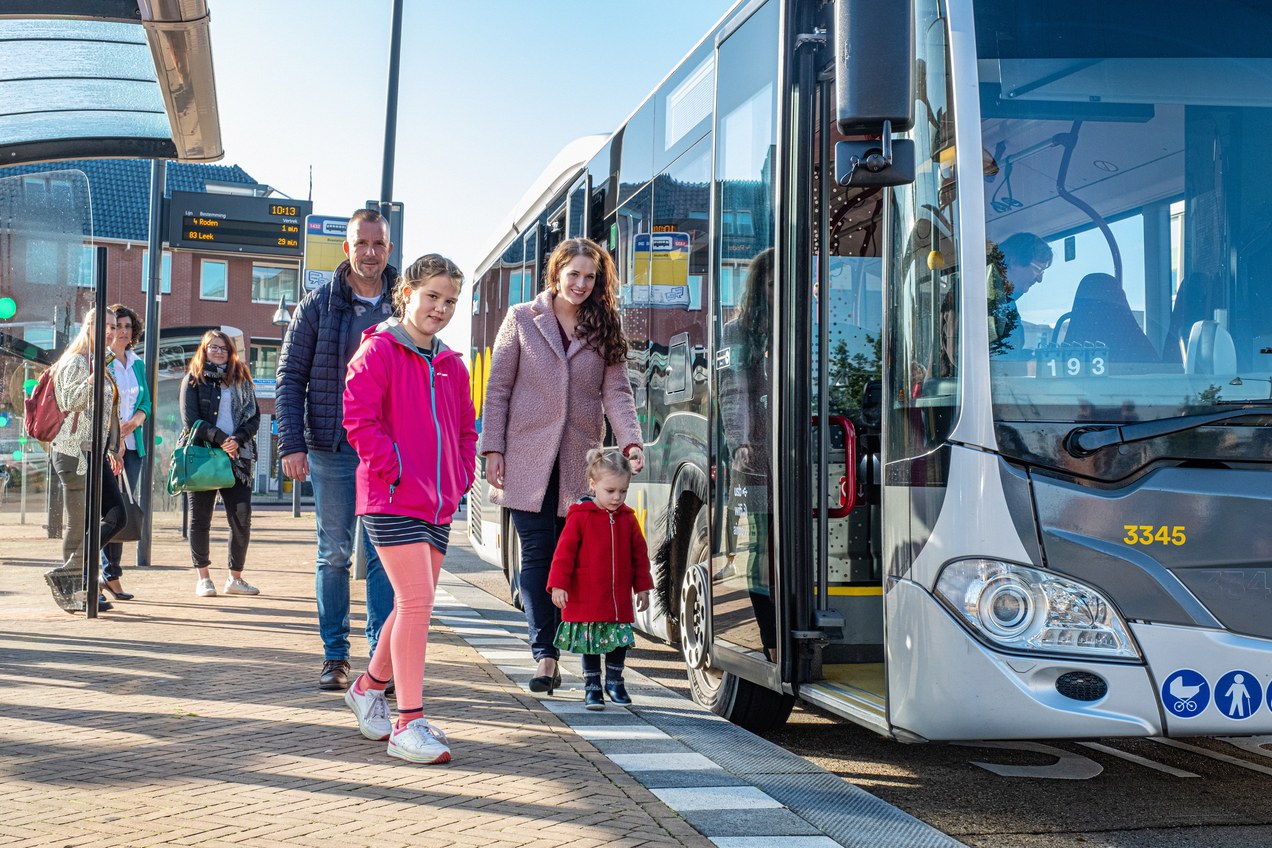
<point x="539" y="532"/>
<point x="238" y="510"/>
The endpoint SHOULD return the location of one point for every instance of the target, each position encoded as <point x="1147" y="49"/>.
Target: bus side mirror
<point x="874" y="91"/>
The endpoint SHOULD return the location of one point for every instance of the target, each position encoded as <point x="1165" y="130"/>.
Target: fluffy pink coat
<point x="545" y="403"/>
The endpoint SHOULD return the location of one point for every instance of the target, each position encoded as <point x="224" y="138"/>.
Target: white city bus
<point x="1029" y="311"/>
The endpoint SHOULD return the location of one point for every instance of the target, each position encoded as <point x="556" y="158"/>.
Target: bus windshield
<point x="1128" y="205"/>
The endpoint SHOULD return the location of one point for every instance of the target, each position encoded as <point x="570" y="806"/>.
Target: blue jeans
<point x="539" y="532"/>
<point x="333" y="474"/>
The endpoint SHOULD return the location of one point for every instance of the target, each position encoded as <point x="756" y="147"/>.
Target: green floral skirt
<point x="594" y="637"/>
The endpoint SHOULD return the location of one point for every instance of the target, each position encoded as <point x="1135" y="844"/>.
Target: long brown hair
<point x="599" y="326"/>
<point x="235" y="371"/>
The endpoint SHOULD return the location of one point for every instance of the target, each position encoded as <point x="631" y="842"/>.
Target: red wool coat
<point x="600" y="560"/>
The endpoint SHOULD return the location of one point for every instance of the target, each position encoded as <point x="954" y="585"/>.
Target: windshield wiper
<point x="1084" y="441"/>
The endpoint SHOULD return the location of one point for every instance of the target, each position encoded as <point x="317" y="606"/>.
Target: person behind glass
<point x="217" y="390"/>
<point x="745" y="386"/>
<point x="129" y="373"/>
<point x="558" y="370"/>
<point x="1022" y="260"/>
<point x="321" y="339"/>
<point x="601" y="562"/>
<point x="409" y="415"/>
<point x="71" y="447"/>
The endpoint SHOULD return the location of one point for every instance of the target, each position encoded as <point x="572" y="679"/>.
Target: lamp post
<point x="282" y="317"/>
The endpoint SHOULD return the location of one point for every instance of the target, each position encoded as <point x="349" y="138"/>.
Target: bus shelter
<point x="82" y="79"/>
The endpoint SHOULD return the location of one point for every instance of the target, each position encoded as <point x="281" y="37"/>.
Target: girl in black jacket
<point x="217" y="391"/>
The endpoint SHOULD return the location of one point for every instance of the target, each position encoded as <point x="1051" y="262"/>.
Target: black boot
<point x="617" y="692"/>
<point x="614" y="662"/>
<point x="592" y="698"/>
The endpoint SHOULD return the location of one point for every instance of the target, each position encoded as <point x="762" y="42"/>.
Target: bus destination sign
<point x="237" y="224"/>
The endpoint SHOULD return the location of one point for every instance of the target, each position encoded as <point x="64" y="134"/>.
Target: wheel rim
<point x="695" y="633"/>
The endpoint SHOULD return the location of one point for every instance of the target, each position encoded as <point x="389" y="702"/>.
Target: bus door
<point x="846" y="380"/>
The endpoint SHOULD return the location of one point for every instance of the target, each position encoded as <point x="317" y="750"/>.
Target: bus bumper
<point x="943" y="684"/>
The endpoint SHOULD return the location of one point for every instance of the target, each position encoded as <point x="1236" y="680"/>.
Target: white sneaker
<point x="204" y="588"/>
<point x="239" y="586"/>
<point x="416" y="743"/>
<point x="372" y="711"/>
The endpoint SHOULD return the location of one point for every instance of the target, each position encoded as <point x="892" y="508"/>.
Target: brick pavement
<point x="176" y="720"/>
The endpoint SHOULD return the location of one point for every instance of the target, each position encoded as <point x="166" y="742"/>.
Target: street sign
<point x="236" y="224"/>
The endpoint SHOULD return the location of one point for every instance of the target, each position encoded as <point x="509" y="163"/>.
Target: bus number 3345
<point x="1147" y="534"/>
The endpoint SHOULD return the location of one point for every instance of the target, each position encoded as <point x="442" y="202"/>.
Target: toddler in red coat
<point x="601" y="562"/>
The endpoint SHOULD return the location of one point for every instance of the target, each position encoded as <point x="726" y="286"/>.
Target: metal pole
<point x="158" y="175"/>
<point x="26" y="375"/>
<point x="390" y="118"/>
<point x="91" y="552"/>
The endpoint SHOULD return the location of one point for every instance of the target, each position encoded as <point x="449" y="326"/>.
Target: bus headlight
<point x="1027" y="609"/>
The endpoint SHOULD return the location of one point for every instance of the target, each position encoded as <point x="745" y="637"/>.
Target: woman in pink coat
<point x="557" y="371"/>
<point x="409" y="415"/>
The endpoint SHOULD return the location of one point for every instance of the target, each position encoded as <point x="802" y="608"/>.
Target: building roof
<point x="120" y="189"/>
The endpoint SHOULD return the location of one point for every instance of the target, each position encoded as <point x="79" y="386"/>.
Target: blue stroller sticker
<point x="1186" y="694"/>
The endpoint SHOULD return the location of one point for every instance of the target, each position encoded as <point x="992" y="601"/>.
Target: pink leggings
<point x="413" y="571"/>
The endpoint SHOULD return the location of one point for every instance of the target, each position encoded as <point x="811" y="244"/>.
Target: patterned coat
<point x="546" y="405"/>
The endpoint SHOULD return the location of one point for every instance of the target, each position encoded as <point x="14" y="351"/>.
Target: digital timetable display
<point x="237" y="224"/>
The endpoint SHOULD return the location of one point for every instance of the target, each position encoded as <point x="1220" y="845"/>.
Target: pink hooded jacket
<point x="412" y="424"/>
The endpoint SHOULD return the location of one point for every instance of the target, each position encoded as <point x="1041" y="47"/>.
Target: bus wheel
<point x="512" y="561"/>
<point x="727" y="695"/>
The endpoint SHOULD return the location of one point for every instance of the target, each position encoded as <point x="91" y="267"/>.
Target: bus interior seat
<point x="1062" y="323"/>
<point x="1210" y="350"/>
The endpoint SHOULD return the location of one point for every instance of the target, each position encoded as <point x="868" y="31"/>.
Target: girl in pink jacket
<point x="409" y="415"/>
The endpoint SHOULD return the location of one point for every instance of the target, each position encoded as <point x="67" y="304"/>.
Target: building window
<point x="263" y="360"/>
<point x="85" y="278"/>
<point x="213" y="282"/>
<point x="165" y="272"/>
<point x="41" y="262"/>
<point x="270" y="282"/>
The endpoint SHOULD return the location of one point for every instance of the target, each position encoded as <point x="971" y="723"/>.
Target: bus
<point x="952" y="359"/>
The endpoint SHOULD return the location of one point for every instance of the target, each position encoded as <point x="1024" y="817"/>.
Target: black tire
<point x="512" y="560"/>
<point x="740" y="701"/>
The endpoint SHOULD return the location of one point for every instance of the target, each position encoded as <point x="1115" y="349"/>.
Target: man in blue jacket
<point x="322" y="337"/>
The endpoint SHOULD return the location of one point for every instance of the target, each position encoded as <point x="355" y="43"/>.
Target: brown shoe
<point x="335" y="675"/>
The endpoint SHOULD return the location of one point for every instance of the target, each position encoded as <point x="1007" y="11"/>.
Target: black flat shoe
<point x="592" y="700"/>
<point x="617" y="693"/>
<point x="546" y="683"/>
<point x="104" y="605"/>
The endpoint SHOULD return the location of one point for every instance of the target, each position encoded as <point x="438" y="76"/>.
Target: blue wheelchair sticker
<point x="1186" y="694"/>
<point x="1238" y="694"/>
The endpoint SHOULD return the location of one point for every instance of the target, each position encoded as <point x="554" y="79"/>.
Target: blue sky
<point x="490" y="92"/>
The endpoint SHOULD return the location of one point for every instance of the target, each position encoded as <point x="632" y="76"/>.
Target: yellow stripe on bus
<point x="855" y="591"/>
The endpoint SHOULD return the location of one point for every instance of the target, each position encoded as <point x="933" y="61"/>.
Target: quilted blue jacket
<point x="309" y="401"/>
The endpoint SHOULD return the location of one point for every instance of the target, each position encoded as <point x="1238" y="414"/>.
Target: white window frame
<point x="165" y="280"/>
<point x="204" y="263"/>
<point x="282" y="266"/>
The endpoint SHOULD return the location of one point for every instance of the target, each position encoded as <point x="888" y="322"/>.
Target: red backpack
<point x="43" y="416"/>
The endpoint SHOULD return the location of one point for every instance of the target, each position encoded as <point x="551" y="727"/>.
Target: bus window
<point x="743" y="611"/>
<point x="924" y="295"/>
<point x="1143" y="173"/>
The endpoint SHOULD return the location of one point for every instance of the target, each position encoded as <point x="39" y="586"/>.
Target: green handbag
<point x="198" y="466"/>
